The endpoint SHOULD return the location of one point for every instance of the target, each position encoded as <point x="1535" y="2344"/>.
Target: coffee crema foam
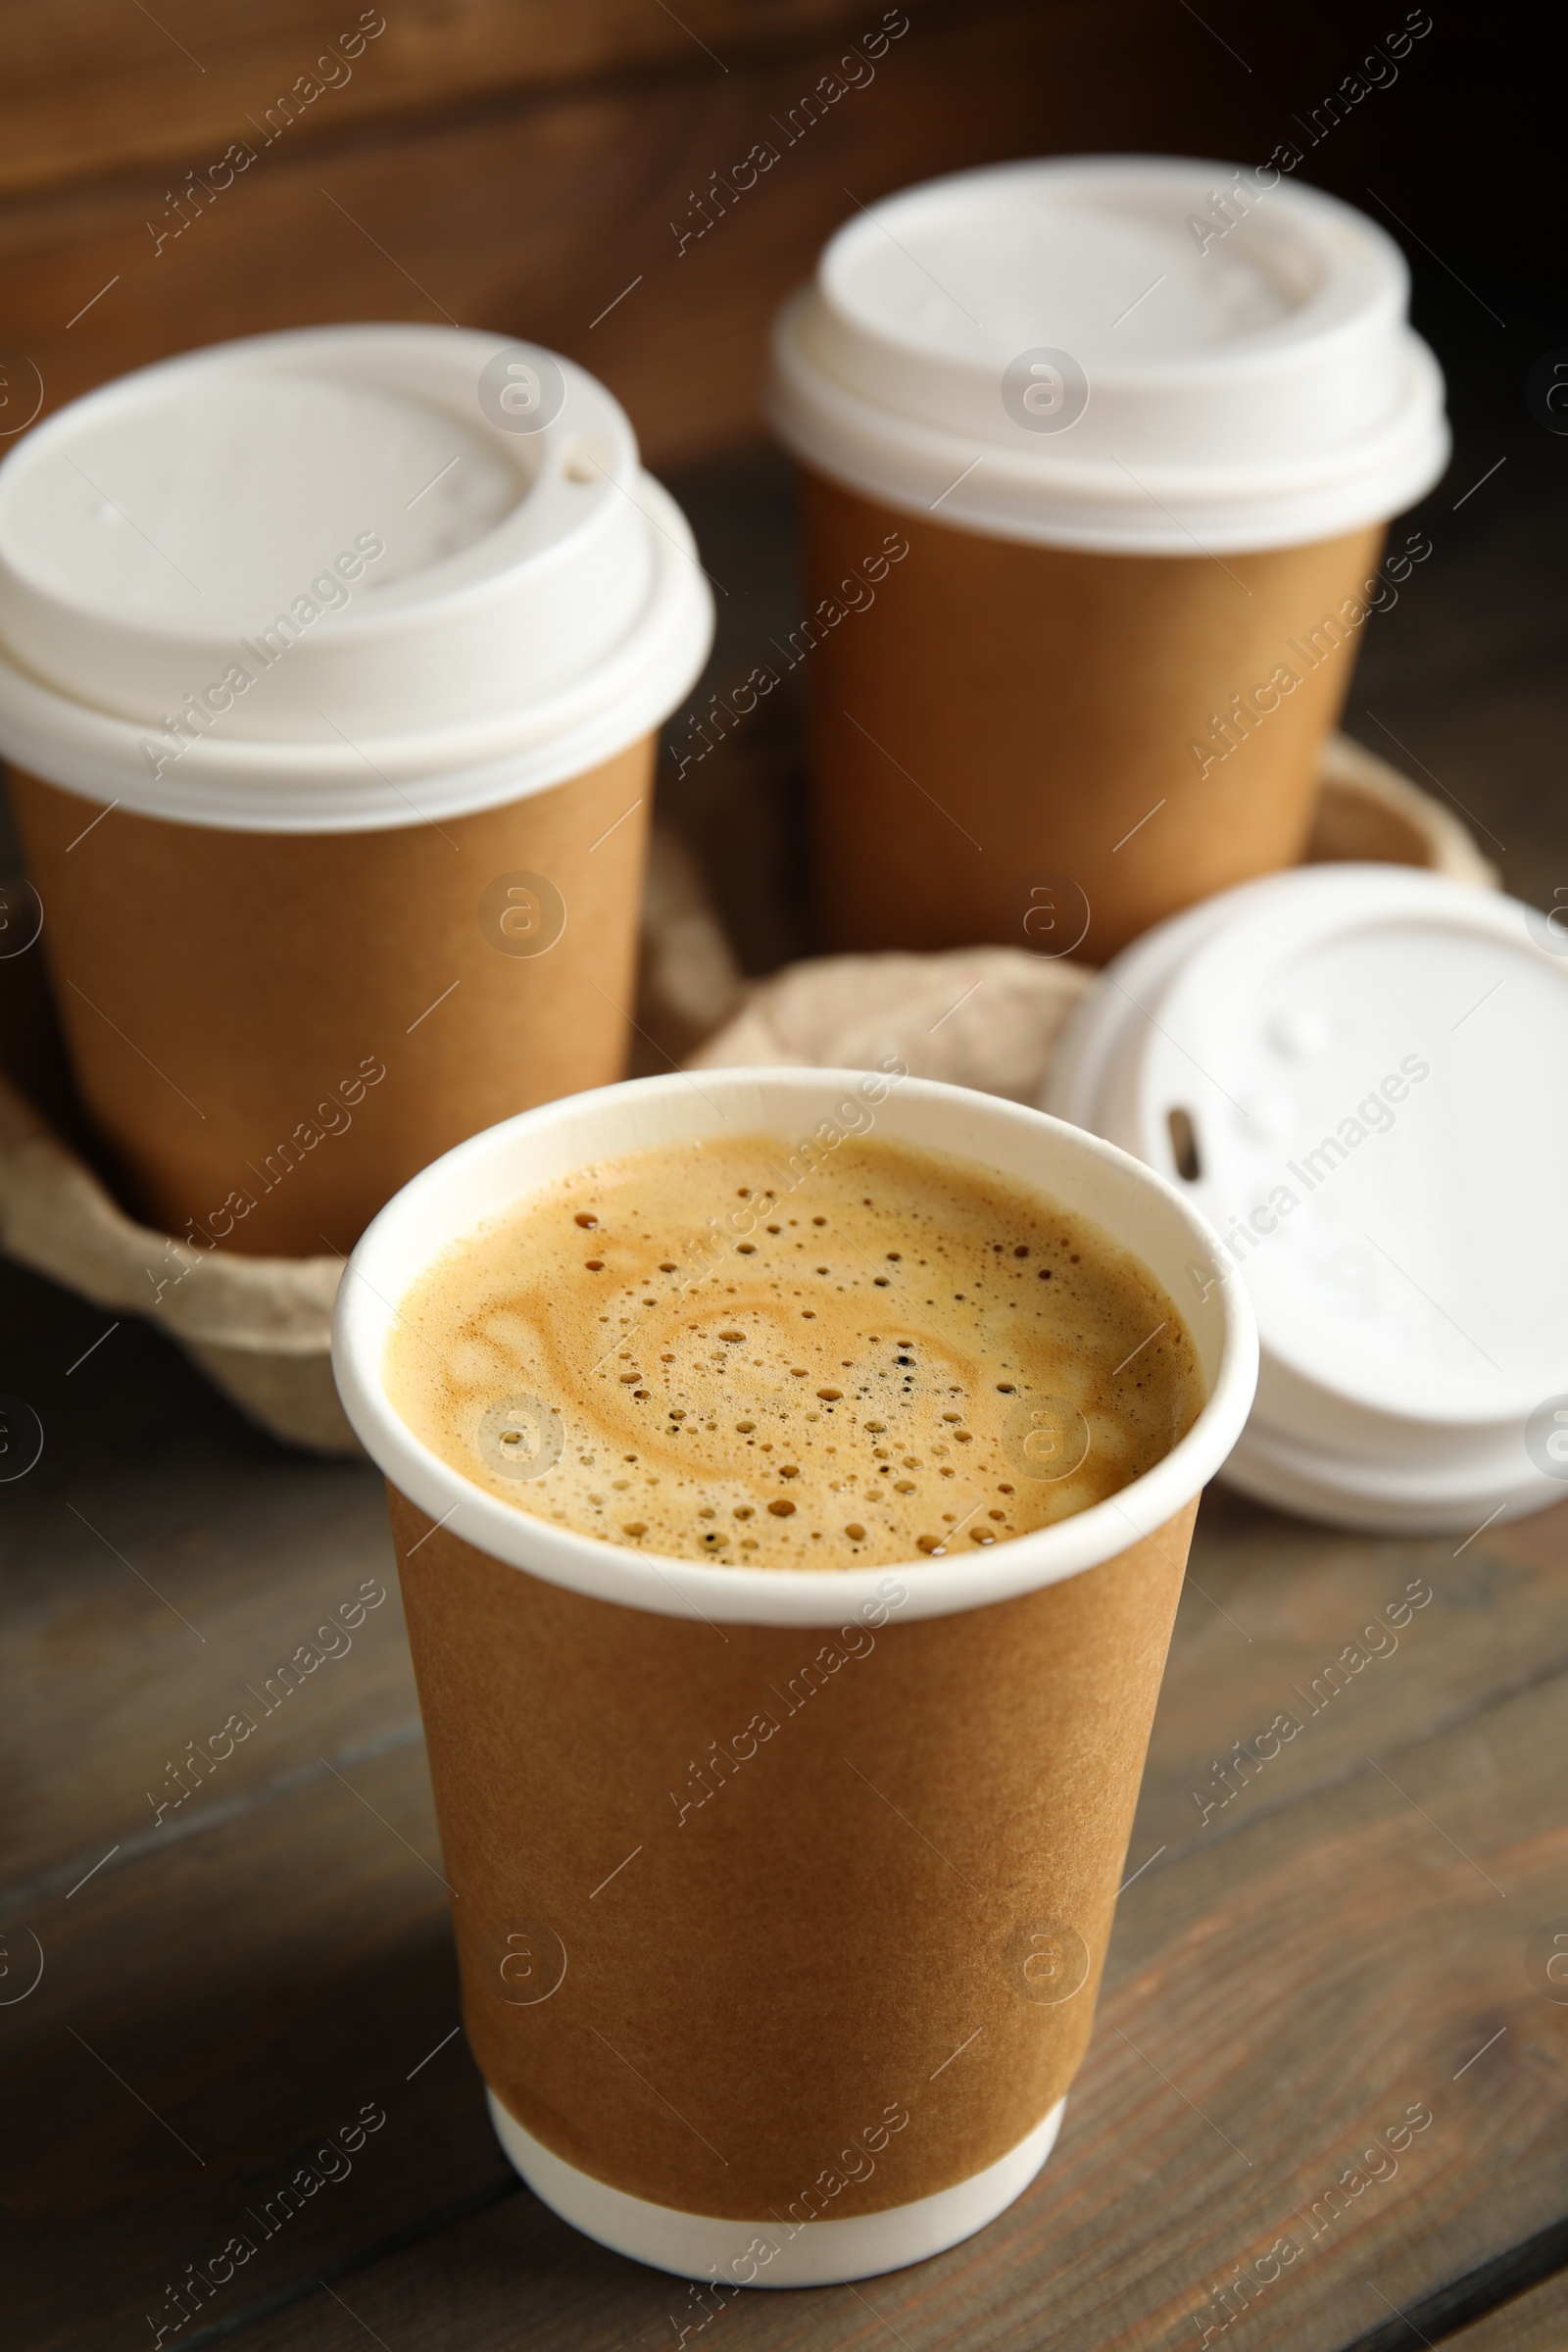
<point x="905" y="1353"/>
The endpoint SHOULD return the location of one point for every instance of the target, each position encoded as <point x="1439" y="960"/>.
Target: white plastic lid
<point x="272" y="584"/>
<point x="1358" y="1074"/>
<point x="1081" y="353"/>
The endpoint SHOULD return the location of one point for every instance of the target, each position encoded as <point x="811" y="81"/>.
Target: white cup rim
<point x="452" y="1195"/>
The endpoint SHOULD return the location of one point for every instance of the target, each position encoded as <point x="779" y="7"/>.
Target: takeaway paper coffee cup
<point x="330" y="670"/>
<point x="792" y="2040"/>
<point x="1099" y="456"/>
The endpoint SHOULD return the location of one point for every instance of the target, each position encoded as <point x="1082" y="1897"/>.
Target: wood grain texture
<point x="93" y="87"/>
<point x="555" y="220"/>
<point x="209" y="1572"/>
<point x="1299" y="1980"/>
<point x="1273" y="2014"/>
<point x="269" y="1977"/>
<point x="1533" y="2323"/>
<point x="1314" y="1639"/>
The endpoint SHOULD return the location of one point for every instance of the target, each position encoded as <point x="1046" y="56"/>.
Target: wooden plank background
<point x="161" y="90"/>
<point x="517" y="166"/>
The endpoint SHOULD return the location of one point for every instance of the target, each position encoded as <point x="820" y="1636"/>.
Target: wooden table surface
<point x="1301" y="1967"/>
<point x="1326" y="2021"/>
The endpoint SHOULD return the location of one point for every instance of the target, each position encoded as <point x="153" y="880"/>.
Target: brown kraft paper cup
<point x="782" y="1899"/>
<point x="1007" y="718"/>
<point x="272" y="1032"/>
<point x="333" y="771"/>
<point x="917" y="1853"/>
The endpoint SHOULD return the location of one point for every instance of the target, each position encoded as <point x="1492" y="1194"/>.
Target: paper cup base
<point x="697" y="2245"/>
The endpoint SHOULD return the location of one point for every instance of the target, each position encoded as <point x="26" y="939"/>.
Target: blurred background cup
<point x="782" y="1897"/>
<point x="332" y="666"/>
<point x="1097" y="459"/>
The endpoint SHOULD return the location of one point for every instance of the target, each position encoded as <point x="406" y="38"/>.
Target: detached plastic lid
<point x="1360" y="1075"/>
<point x="1116" y="352"/>
<point x="271" y="584"/>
